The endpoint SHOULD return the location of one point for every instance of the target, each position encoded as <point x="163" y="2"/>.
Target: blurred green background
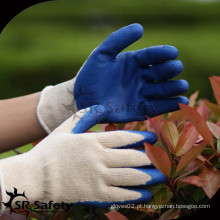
<point x="47" y="43"/>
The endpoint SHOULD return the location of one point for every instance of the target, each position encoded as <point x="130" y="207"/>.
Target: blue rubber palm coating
<point x="132" y="84"/>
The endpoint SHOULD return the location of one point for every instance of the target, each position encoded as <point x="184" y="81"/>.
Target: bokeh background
<point x="47" y="43"/>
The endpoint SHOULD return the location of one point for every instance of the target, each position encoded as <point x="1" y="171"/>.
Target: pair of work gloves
<point x="99" y="169"/>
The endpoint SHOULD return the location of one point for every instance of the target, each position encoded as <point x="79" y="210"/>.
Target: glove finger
<point x="134" y="177"/>
<point x="119" y="40"/>
<point x="155" y="55"/>
<point x="166" y="89"/>
<point x="126" y="139"/>
<point x="144" y="152"/>
<point x="116" y="158"/>
<point x="156" y="176"/>
<point x="162" y="71"/>
<point x="120" y="196"/>
<point x="88" y="119"/>
<point x="112" y="196"/>
<point x="160" y="106"/>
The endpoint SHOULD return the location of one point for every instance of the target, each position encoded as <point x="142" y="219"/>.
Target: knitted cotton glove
<point x="87" y="169"/>
<point x="130" y="85"/>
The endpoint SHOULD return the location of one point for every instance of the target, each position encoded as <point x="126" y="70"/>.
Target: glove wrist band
<point x="56" y="105"/>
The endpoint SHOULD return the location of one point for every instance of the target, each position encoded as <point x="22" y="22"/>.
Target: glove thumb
<point x="83" y="120"/>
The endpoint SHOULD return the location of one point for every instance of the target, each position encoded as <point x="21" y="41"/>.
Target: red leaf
<point x="215" y="129"/>
<point x="36" y="142"/>
<point x="102" y="127"/>
<point x="156" y="124"/>
<point x="198" y="122"/>
<point x="14" y="216"/>
<point x="203" y="159"/>
<point x="216" y="88"/>
<point x="189" y="156"/>
<point x="130" y="126"/>
<point x="192" y="99"/>
<point x="115" y="216"/>
<point x="61" y="216"/>
<point x="211" y="176"/>
<point x="195" y="180"/>
<point x="203" y="111"/>
<point x="111" y="127"/>
<point x="146" y="210"/>
<point x="187" y="139"/>
<point x="148" y="125"/>
<point x="159" y="158"/>
<point x="217" y="78"/>
<point x="193" y="165"/>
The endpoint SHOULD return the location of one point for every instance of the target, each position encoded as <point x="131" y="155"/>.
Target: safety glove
<point x="92" y="169"/>
<point x="130" y="85"/>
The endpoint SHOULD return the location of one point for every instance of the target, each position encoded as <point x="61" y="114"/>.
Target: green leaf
<point x="163" y="196"/>
<point x="157" y="125"/>
<point x="78" y="212"/>
<point x="155" y="189"/>
<point x="10" y="153"/>
<point x="218" y="145"/>
<point x="192" y="99"/>
<point x="170" y="214"/>
<point x="198" y="194"/>
<point x="215" y="109"/>
<point x="176" y="116"/>
<point x="111" y="127"/>
<point x="166" y="143"/>
<point x="171" y="132"/>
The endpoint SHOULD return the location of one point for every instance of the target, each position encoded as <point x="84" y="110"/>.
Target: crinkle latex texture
<point x="131" y="85"/>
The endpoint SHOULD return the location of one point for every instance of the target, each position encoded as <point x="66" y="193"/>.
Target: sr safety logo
<point x="18" y="203"/>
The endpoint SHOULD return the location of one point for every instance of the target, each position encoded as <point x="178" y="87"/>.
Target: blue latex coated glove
<point x="95" y="169"/>
<point x="123" y="158"/>
<point x="132" y="84"/>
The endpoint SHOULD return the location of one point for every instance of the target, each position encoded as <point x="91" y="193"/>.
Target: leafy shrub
<point x="187" y="152"/>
